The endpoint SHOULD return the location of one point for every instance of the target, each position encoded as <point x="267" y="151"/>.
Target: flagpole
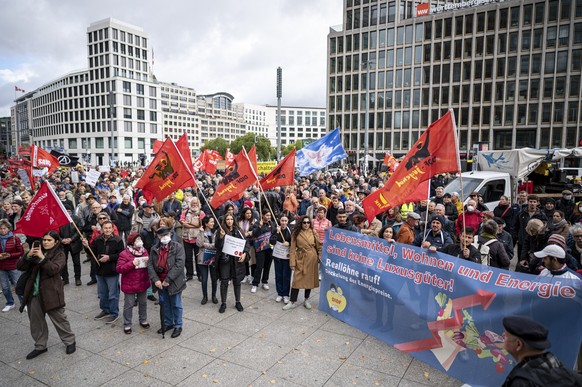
<point x="263" y="192"/>
<point x="426" y="212"/>
<point x="459" y="168"/>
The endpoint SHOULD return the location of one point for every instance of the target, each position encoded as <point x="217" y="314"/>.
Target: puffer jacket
<point x="14" y="248"/>
<point x="132" y="280"/>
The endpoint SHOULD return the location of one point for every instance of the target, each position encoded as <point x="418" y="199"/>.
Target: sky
<point x="233" y="46"/>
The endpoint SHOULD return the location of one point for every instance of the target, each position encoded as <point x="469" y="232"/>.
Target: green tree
<point x="263" y="144"/>
<point x="287" y="149"/>
<point x="217" y="144"/>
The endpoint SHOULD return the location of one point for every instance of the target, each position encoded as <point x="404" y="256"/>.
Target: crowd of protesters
<point x="157" y="248"/>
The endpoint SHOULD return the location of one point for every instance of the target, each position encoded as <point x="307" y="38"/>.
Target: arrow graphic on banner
<point x="483" y="297"/>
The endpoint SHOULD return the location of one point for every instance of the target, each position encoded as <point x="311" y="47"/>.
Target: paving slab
<point x="221" y="373"/>
<point x="351" y="375"/>
<point x="256" y="354"/>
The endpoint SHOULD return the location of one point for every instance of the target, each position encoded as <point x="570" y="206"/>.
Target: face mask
<point x="568" y="197"/>
<point x="166" y="239"/>
<point x="104" y="206"/>
<point x="580" y="209"/>
<point x="470" y="208"/>
<point x="138" y="244"/>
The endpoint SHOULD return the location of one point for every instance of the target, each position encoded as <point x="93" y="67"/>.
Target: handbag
<point x="21" y="283"/>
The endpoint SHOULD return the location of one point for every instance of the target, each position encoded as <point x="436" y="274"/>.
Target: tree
<point x="263" y="145"/>
<point x="217" y="144"/>
<point x="287" y="149"/>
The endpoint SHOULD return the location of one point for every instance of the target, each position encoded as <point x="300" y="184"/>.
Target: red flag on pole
<point x="229" y="157"/>
<point x="166" y="173"/>
<point x="42" y="159"/>
<point x="184" y="148"/>
<point x="212" y="158"/>
<point x="45" y="212"/>
<point x="157" y="145"/>
<point x="200" y="162"/>
<point x="282" y="175"/>
<point x="435" y="152"/>
<point x="253" y="158"/>
<point x="237" y="178"/>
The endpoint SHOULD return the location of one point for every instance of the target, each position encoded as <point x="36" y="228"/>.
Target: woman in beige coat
<point x="304" y="256"/>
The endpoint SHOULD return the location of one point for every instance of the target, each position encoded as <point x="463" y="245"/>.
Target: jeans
<point x="282" y="277"/>
<point x="261" y="272"/>
<point x="172" y="308"/>
<point x="108" y="293"/>
<point x="205" y="271"/>
<point x="6" y="278"/>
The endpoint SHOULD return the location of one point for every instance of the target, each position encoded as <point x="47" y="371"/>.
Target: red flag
<point x="253" y="157"/>
<point x="237" y="178"/>
<point x="199" y="162"/>
<point x="157" y="145"/>
<point x="45" y="212"/>
<point x="167" y="173"/>
<point x="211" y="161"/>
<point x="282" y="175"/>
<point x="435" y="152"/>
<point x="184" y="148"/>
<point x="16" y="88"/>
<point x="42" y="159"/>
<point x="229" y="157"/>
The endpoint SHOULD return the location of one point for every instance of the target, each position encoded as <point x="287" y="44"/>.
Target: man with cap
<point x="166" y="271"/>
<point x="451" y="211"/>
<point x="527" y="340"/>
<point x="435" y="236"/>
<point x="504" y="237"/>
<point x="407" y="232"/>
<point x="71" y="241"/>
<point x="554" y="258"/>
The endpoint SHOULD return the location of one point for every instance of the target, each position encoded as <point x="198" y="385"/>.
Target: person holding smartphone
<point x="45" y="294"/>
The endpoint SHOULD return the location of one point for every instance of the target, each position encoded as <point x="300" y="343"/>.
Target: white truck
<point x="501" y="172"/>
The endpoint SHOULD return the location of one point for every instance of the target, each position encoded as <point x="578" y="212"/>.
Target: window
<point x="127" y="126"/>
<point x="128" y="142"/>
<point x="141" y="127"/>
<point x="127" y="113"/>
<point x="99" y="144"/>
<point x="139" y="89"/>
<point x="126" y="87"/>
<point x="140" y="115"/>
<point x="140" y="143"/>
<point x="550" y="58"/>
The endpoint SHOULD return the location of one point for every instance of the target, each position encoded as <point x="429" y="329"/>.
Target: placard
<point x="208" y="257"/>
<point x="143" y="262"/>
<point x="262" y="242"/>
<point x="233" y="246"/>
<point x="281" y="251"/>
<point x="92" y="177"/>
<point x="74" y="177"/>
<point x="104" y="168"/>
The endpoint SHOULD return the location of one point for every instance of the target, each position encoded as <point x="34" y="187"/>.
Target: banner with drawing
<point x="442" y="310"/>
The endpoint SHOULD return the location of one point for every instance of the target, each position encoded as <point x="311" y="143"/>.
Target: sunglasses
<point x="306" y="222"/>
<point x="101" y="218"/>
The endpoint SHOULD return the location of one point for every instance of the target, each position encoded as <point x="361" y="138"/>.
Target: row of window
<point x="103" y="34"/>
<point x="291" y="120"/>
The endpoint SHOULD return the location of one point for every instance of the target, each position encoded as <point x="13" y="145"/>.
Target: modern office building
<point x="510" y="70"/>
<point x="73" y="111"/>
<point x="5" y="136"/>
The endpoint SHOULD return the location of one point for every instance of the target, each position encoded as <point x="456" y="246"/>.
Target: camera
<point x="160" y="270"/>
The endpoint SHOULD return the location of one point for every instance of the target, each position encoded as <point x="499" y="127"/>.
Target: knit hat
<point x="131" y="238"/>
<point x="557" y="239"/>
<point x="438" y="218"/>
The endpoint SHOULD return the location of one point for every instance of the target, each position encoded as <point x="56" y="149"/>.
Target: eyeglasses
<point x="101" y="218"/>
<point x="306" y="222"/>
<point x="577" y="236"/>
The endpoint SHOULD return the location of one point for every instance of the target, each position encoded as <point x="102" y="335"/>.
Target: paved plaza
<point x="262" y="346"/>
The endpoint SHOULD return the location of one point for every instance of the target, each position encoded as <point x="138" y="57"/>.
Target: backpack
<point x="484" y="250"/>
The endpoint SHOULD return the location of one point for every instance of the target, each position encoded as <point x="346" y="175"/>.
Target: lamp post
<point x="111" y="115"/>
<point x="279" y="95"/>
<point x="367" y="118"/>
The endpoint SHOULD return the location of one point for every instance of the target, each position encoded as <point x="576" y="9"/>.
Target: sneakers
<point x="265" y="287"/>
<point x="254" y="289"/>
<point x="102" y="315"/>
<point x="151" y="297"/>
<point x="247" y="280"/>
<point x="239" y="307"/>
<point x="111" y="319"/>
<point x="290" y="306"/>
<point x="285" y="300"/>
<point x="307" y="304"/>
<point x="8" y="308"/>
<point x="278" y="299"/>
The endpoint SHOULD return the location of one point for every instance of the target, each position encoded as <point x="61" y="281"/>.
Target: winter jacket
<point x="237" y="269"/>
<point x="133" y="280"/>
<point x="497" y="254"/>
<point x="176" y="261"/>
<point x="113" y="246"/>
<point x="124" y="216"/>
<point x="455" y="250"/>
<point x="69" y="231"/>
<point x="14" y="248"/>
<point x="51" y="288"/>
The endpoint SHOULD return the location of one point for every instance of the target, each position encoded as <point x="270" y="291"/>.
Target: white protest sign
<point x="75" y="177"/>
<point x="104" y="168"/>
<point x="233" y="246"/>
<point x="92" y="177"/>
<point x="280" y="251"/>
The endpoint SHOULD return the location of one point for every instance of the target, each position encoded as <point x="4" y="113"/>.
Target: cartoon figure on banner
<point x="335" y="298"/>
<point x="164" y="168"/>
<point x="467" y="337"/>
<point x="421" y="154"/>
<point x="231" y="173"/>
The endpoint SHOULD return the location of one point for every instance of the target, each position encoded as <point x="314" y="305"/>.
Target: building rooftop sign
<point x="425" y="9"/>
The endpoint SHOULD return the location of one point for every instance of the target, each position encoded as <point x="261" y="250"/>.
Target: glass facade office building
<point x="510" y="71"/>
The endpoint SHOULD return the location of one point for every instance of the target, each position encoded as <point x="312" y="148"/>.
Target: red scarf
<point x="163" y="261"/>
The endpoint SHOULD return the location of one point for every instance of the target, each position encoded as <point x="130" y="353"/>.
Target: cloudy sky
<point x="218" y="45"/>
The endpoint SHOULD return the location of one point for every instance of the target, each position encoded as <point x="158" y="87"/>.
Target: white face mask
<point x="580" y="209"/>
<point x="470" y="208"/>
<point x="138" y="244"/>
<point x="568" y="197"/>
<point x="165" y="239"/>
<point x="104" y="206"/>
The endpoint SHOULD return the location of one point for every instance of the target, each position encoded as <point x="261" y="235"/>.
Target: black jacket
<point x="69" y="231"/>
<point x="455" y="250"/>
<point x="112" y="247"/>
<point x="124" y="216"/>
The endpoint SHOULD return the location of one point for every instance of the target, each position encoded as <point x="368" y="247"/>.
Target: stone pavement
<point x="262" y="346"/>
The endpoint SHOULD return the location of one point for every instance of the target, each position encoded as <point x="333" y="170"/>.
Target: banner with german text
<point x="440" y="309"/>
<point x="435" y="152"/>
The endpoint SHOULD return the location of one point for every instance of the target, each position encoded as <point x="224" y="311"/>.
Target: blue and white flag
<point x="319" y="154"/>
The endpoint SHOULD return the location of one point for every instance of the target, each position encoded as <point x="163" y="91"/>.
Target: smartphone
<point x="36" y="244"/>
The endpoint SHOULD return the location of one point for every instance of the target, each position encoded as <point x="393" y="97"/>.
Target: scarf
<point x="4" y="238"/>
<point x="484" y="234"/>
<point x="561" y="223"/>
<point x="137" y="252"/>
